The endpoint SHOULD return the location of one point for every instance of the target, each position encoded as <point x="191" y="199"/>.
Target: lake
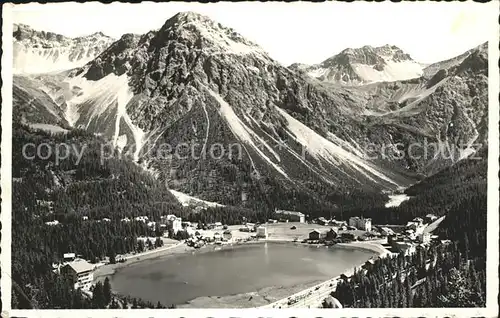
<point x="177" y="279"/>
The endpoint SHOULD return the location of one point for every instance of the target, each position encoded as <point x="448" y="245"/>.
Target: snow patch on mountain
<point x="392" y="71"/>
<point x="243" y="132"/>
<point x="187" y="200"/>
<point x="320" y="147"/>
<point x="396" y="200"/>
<point x="105" y="98"/>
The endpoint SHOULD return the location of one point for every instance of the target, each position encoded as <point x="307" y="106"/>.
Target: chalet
<point x="322" y="221"/>
<point x="227" y="235"/>
<point x="332" y="234"/>
<point x="315" y="235"/>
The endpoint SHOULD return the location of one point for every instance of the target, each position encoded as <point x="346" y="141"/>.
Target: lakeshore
<point x="279" y="234"/>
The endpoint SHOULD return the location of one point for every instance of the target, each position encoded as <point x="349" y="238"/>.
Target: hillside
<point x="455" y="191"/>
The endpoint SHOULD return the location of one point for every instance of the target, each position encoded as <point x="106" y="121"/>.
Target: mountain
<point x="43" y="52"/>
<point x="215" y="117"/>
<point x="365" y="65"/>
<point x="433" y="68"/>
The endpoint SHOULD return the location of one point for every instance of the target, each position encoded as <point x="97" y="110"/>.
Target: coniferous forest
<point x="117" y="188"/>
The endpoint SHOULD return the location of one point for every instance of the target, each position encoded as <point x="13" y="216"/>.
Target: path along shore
<point x="312" y="297"/>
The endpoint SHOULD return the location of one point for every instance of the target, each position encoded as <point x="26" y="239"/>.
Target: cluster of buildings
<point x="202" y="237"/>
<point x="316" y="235"/>
<point x="361" y="223"/>
<point x="413" y="235"/>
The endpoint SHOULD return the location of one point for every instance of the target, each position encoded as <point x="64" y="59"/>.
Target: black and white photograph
<point x="254" y="155"/>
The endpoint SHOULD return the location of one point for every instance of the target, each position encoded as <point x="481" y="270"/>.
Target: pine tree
<point x="107" y="291"/>
<point x="98" y="300"/>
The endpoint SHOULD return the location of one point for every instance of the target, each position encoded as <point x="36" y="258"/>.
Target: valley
<point x="192" y="123"/>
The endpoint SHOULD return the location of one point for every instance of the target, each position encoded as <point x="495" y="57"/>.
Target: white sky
<point x="292" y="32"/>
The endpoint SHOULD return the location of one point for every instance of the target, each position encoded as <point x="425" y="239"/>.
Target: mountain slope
<point x="365" y="65"/>
<point x="43" y="52"/>
<point x="196" y="81"/>
<point x="210" y="113"/>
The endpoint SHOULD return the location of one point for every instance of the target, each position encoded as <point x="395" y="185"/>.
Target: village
<point x="287" y="226"/>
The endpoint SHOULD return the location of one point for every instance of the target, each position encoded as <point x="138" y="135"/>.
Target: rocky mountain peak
<point x="201" y="32"/>
<point x="354" y="66"/>
<point x="42" y="52"/>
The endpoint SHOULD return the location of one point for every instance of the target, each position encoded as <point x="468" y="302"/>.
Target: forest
<point x="117" y="188"/>
<point x="442" y="276"/>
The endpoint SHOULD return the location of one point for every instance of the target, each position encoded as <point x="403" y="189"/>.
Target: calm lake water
<point x="232" y="270"/>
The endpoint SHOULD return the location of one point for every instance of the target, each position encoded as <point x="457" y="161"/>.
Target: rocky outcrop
<point x="43" y="52"/>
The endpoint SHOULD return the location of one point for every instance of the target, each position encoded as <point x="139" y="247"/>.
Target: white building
<point x="69" y="257"/>
<point x="361" y="223"/>
<point x="262" y="232"/>
<point x="218" y="225"/>
<point x="151" y="224"/>
<point x="173" y="223"/>
<point x="81" y="273"/>
<point x="142" y="219"/>
<point x="55" y="222"/>
<point x="424" y="237"/>
<point x="190" y="231"/>
<point x="291" y="216"/>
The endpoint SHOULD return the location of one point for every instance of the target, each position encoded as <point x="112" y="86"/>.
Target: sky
<point x="291" y="32"/>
